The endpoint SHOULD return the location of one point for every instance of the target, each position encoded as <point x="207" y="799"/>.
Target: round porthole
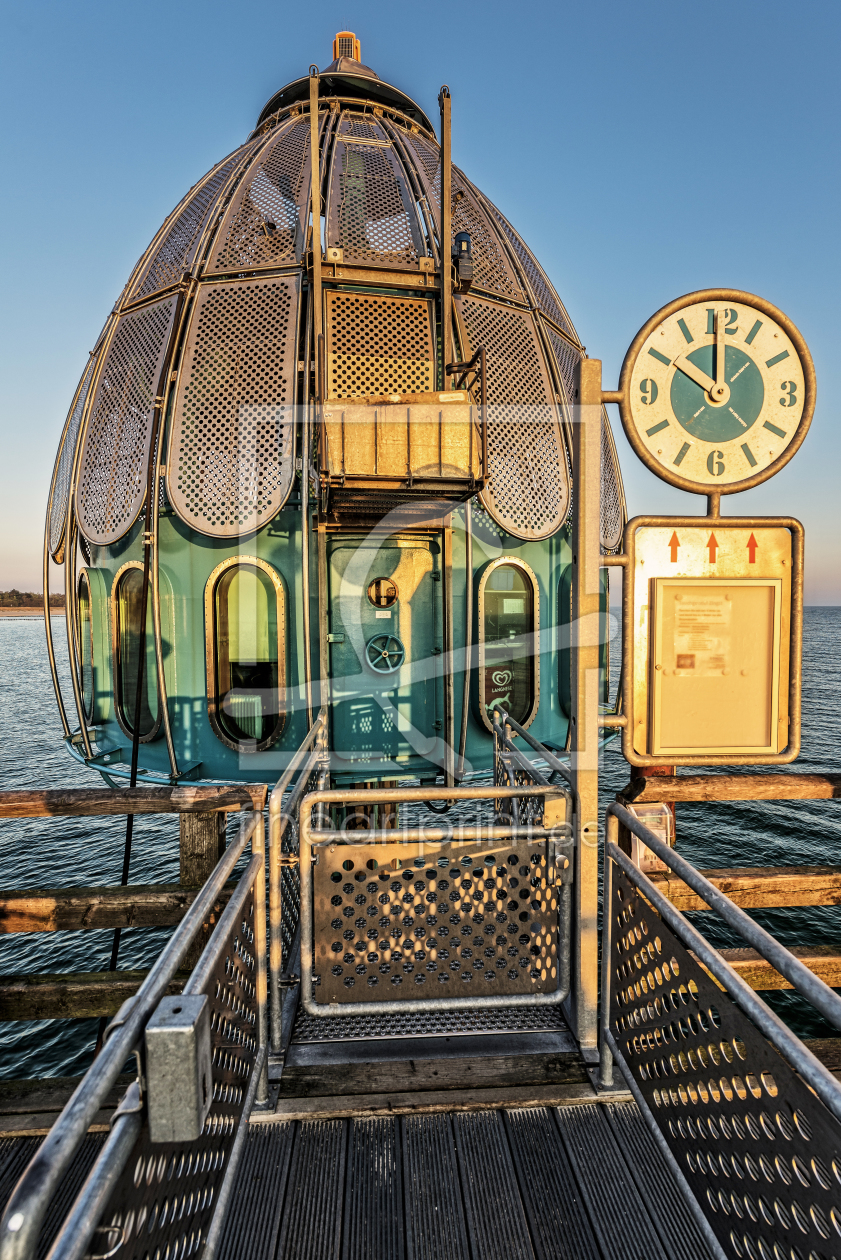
<point x="382" y="593"/>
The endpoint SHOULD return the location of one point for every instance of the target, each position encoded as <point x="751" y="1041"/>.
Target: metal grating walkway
<point x="574" y="1183"/>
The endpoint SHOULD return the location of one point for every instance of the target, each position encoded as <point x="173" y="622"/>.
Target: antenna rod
<point x="445" y="102"/>
<point x="315" y="188"/>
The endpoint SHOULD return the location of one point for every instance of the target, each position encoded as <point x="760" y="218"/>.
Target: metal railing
<point x="511" y="767"/>
<point x="284" y="882"/>
<point x="748" y="1117"/>
<point x="125" y="1190"/>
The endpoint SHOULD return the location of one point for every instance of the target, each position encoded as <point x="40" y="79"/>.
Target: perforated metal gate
<point x="371" y="213"/>
<point x="112" y="478"/>
<point x="761" y="1153"/>
<point x="232" y="453"/>
<point x="178" y="248"/>
<point x="396" y="921"/>
<point x="264" y="226"/>
<point x="64" y="465"/>
<point x="529" y="493"/>
<point x="378" y="345"/>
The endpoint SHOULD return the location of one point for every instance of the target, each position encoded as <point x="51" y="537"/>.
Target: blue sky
<point x="643" y="150"/>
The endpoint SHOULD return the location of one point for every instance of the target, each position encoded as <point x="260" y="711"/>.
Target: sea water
<point x="71" y="852"/>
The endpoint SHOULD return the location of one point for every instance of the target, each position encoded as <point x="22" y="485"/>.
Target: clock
<point x="717" y="391"/>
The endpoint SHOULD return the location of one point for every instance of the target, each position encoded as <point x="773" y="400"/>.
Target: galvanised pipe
<point x="21" y="1222"/>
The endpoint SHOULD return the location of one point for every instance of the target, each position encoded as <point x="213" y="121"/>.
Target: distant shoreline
<point x="30" y="612"/>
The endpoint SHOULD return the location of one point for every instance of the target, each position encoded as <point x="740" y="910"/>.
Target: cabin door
<point x="386" y="639"/>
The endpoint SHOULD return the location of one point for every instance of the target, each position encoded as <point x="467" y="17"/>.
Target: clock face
<point x="718" y="391"/>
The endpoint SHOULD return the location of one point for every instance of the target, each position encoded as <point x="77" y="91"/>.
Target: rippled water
<point x="66" y="852"/>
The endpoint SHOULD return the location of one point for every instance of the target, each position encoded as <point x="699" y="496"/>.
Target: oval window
<point x="246" y="669"/>
<point x="508" y="661"/>
<point x="128" y="596"/>
<point x="86" y="643"/>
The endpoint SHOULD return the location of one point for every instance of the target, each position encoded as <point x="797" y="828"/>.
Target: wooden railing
<point x="84" y="995"/>
<point x="753" y="887"/>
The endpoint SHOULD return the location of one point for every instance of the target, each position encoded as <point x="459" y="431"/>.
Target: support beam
<point x="79" y="995"/>
<point x="80" y="909"/>
<point x="585" y="632"/>
<point x="758" y="887"/>
<point x="783" y="786"/>
<point x="202" y="843"/>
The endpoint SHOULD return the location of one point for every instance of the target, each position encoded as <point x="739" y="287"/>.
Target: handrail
<point x="21" y="1222"/>
<point x="769" y="1023"/>
<point x="522" y="762"/>
<point x="278" y="823"/>
<point x="550" y="758"/>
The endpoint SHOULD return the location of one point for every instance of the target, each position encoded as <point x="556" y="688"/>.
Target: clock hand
<point x="694" y="373"/>
<point x="719" y="389"/>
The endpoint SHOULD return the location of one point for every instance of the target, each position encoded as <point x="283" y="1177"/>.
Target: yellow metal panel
<point x="687" y="712"/>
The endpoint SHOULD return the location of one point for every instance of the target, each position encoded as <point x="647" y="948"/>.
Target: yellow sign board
<point x="713" y="610"/>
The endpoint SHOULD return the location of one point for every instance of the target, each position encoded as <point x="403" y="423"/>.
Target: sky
<point x="643" y="150"/>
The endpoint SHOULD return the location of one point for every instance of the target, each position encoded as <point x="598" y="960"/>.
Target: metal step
<point x="671" y="1216"/>
<point x="435" y="1225"/>
<point x="253" y="1222"/>
<point x="620" y="1217"/>
<point x="554" y="1205"/>
<point x="310" y="1028"/>
<point x="494" y="1212"/>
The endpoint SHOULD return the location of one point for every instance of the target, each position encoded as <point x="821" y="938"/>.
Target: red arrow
<point x="713" y="546"/>
<point x="674" y="543"/>
<point x="752" y="549"/>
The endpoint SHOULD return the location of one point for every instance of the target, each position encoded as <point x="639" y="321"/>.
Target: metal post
<point x="449" y="692"/>
<point x="307" y="429"/>
<point x="74" y="652"/>
<point x="258" y="846"/>
<point x="585" y="693"/>
<point x="606" y="1058"/>
<point x="323" y="626"/>
<point x="48" y="625"/>
<point x="468" y="635"/>
<point x="315" y="190"/>
<point x="446" y="234"/>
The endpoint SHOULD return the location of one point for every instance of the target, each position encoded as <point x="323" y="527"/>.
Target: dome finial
<point x="345" y="44"/>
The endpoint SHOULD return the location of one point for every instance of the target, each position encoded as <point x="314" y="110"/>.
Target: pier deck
<point x="578" y="1182"/>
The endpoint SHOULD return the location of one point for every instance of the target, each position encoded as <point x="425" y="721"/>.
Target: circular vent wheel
<point x="385" y="653"/>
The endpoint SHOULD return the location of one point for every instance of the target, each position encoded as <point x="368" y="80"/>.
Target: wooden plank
<point x="786" y="786"/>
<point x="79" y="909"/>
<point x="828" y="1050"/>
<point x="79" y="995"/>
<point x="97" y="802"/>
<point x="823" y="960"/>
<point x="430" y="1063"/>
<point x="345" y="1106"/>
<point x="754" y="887"/>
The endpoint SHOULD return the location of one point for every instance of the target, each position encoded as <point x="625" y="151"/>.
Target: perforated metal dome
<point x="219" y="305"/>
